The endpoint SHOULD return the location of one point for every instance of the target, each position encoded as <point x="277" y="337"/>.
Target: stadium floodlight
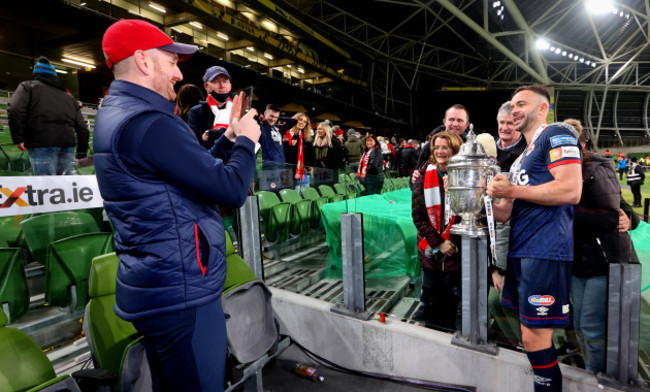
<point x="570" y="55"/>
<point x="564" y="53"/>
<point x="582" y="59"/>
<point x="558" y="50"/>
<point x="541" y="44"/>
<point x="496" y="4"/>
<point x="599" y="6"/>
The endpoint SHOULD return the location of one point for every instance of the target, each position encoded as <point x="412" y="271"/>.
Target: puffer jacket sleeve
<point x="17" y="111"/>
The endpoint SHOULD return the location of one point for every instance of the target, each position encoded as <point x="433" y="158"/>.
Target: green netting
<point x="389" y="235"/>
<point x="641" y="239"/>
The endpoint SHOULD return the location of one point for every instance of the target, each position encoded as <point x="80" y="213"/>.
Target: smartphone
<point x="250" y="97"/>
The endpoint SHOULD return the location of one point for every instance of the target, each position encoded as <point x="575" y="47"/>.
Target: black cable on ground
<point x="432" y="386"/>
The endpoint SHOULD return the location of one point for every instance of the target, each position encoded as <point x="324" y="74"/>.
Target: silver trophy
<point x="469" y="172"/>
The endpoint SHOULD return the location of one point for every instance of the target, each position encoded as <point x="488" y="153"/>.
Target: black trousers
<point x="636" y="192"/>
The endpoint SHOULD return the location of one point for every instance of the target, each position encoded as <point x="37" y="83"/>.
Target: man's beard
<point x="164" y="88"/>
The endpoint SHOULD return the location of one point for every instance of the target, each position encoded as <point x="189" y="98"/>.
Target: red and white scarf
<point x="300" y="167"/>
<point x="363" y="164"/>
<point x="433" y="202"/>
<point x="221" y="115"/>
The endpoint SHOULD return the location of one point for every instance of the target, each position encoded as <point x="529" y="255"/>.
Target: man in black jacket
<point x="209" y="119"/>
<point x="43" y="119"/>
<point x="510" y="143"/>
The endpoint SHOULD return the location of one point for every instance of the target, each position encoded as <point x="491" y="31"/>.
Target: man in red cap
<point x="162" y="190"/>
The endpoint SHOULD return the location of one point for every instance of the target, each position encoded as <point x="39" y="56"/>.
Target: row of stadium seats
<point x="64" y="243"/>
<point x="114" y="343"/>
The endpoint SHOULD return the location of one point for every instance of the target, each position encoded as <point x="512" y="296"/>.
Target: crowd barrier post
<point x="354" y="282"/>
<point x="474" y="296"/>
<point x="623" y="323"/>
<point x="248" y="217"/>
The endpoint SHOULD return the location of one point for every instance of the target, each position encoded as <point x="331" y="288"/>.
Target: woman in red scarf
<point x="439" y="251"/>
<point x="298" y="148"/>
<point x="371" y="167"/>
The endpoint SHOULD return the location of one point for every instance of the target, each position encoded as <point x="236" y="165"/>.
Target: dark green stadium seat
<point x="302" y="216"/>
<point x="11" y="232"/>
<point x="343" y="190"/>
<point x="112" y="341"/>
<point x="312" y="194"/>
<point x="67" y="265"/>
<point x="41" y="230"/>
<point x="275" y="215"/>
<point x="237" y="271"/>
<point x="24" y="366"/>
<point x="14" y="291"/>
<point x="327" y="191"/>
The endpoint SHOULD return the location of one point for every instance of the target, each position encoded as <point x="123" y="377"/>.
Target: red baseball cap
<point x="126" y="36"/>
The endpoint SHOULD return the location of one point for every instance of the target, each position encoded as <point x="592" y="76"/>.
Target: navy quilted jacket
<point x="160" y="190"/>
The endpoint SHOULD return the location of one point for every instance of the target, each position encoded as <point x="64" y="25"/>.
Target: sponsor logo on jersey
<point x="542" y="311"/>
<point x="521" y="178"/>
<point x="541" y="300"/>
<point x="555" y="154"/>
<point x="562" y="139"/>
<point x="565" y="309"/>
<point x="570" y="152"/>
<point x="564" y="152"/>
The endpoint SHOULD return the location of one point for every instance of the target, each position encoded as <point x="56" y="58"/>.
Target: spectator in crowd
<point x="209" y="119"/>
<point x="298" y="145"/>
<point x="600" y="228"/>
<point x="271" y="138"/>
<point x="353" y="150"/>
<point x="371" y="167"/>
<point x="43" y="119"/>
<point x="189" y="96"/>
<point x="621" y="166"/>
<point x="168" y="233"/>
<point x="439" y="252"/>
<point x="510" y="143"/>
<point x="328" y="150"/>
<point x="607" y="154"/>
<point x="456" y="120"/>
<point x="540" y="205"/>
<point x="635" y="178"/>
<point x="409" y="158"/>
<point x="398" y="155"/>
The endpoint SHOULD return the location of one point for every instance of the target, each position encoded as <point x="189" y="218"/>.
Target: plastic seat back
<point x="23" y="365"/>
<point x="68" y="263"/>
<point x="326" y="190"/>
<point x="108" y="335"/>
<point x="275" y="215"/>
<point x="10" y="230"/>
<point x="303" y="210"/>
<point x="14" y="291"/>
<point x="42" y="230"/>
<point x="339" y="188"/>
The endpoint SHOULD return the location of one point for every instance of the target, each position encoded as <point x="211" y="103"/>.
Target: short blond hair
<point x="452" y="139"/>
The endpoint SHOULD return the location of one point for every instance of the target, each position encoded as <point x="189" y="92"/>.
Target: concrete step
<point x="405" y="309"/>
<point x="51" y="326"/>
<point x="381" y="294"/>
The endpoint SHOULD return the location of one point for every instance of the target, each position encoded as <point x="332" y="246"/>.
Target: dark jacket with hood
<point x="353" y="149"/>
<point x="43" y="114"/>
<point x="597" y="241"/>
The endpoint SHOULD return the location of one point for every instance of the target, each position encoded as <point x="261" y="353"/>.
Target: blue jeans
<point x="49" y="161"/>
<point x="590" y="319"/>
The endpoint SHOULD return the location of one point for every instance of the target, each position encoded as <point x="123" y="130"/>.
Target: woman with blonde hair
<point x="327" y="148"/>
<point x="439" y="251"/>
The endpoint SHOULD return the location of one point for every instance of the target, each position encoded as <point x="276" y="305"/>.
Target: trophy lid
<point x="471" y="152"/>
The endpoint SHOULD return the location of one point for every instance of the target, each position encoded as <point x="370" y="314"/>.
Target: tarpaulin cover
<point x="389" y="235"/>
<point x="641" y="239"/>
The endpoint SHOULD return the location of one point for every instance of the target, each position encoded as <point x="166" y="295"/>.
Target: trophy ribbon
<point x="489" y="212"/>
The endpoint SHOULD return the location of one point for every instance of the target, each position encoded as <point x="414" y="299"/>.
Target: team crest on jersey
<point x="541" y="300"/>
<point x="562" y="139"/>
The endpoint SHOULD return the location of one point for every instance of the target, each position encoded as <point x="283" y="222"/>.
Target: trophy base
<point x="470" y="230"/>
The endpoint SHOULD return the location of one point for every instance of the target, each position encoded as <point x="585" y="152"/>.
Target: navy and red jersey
<point x="537" y="231"/>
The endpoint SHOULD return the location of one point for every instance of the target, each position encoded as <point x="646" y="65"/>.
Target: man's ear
<point x="143" y="61"/>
